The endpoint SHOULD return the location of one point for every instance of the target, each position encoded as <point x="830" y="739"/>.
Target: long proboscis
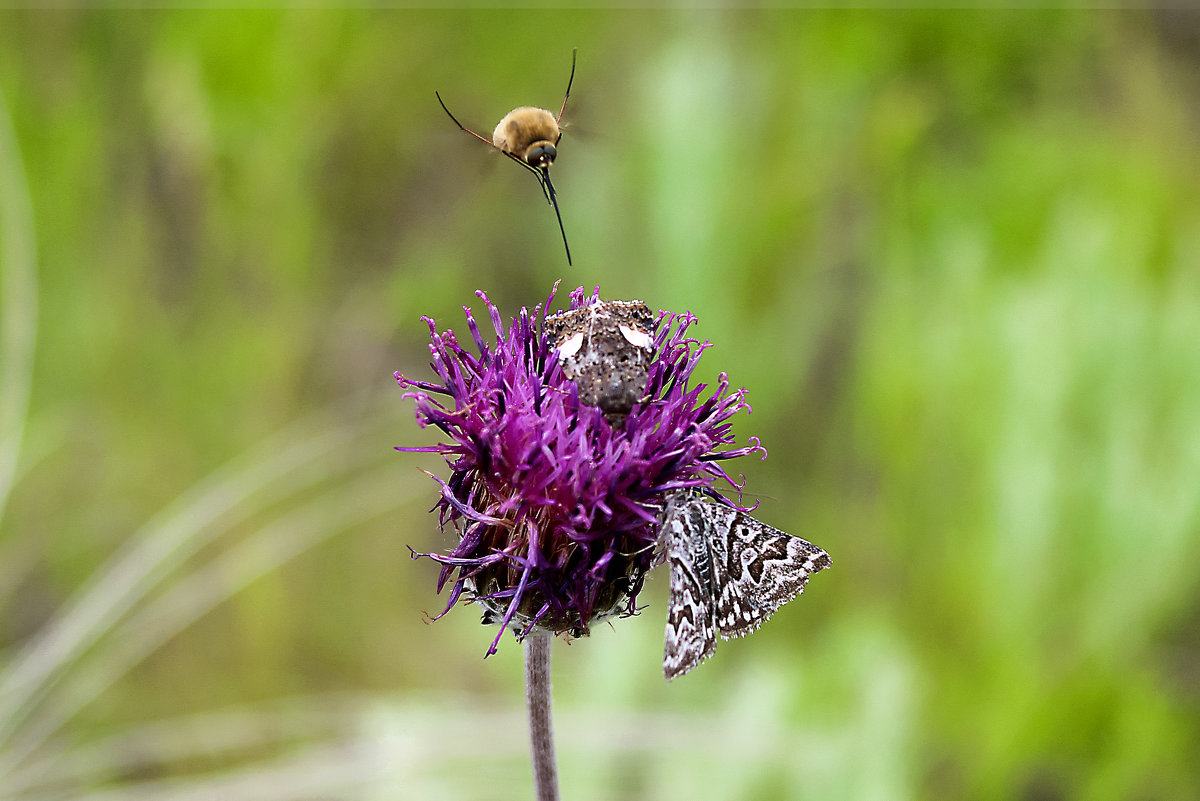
<point x="549" y="187"/>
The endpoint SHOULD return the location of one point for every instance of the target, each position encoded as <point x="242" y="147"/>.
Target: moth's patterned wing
<point x="691" y="609"/>
<point x="756" y="568"/>
<point x="729" y="573"/>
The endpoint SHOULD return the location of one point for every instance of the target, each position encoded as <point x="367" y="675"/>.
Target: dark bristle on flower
<point x="565" y="434"/>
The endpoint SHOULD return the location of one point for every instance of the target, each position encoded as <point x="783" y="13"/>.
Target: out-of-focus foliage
<point x="953" y="256"/>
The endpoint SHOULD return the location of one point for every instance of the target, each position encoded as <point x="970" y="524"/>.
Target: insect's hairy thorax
<point x="523" y="127"/>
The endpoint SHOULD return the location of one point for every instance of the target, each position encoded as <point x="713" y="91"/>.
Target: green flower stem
<point x="541" y="730"/>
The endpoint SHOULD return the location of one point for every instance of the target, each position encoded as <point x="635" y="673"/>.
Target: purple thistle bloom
<point x="557" y="502"/>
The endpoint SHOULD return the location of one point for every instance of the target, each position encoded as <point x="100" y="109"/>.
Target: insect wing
<point x="756" y="568"/>
<point x="691" y="612"/>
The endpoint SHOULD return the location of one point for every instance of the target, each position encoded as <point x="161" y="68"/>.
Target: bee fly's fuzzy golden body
<point x="526" y="129"/>
<point x="529" y="136"/>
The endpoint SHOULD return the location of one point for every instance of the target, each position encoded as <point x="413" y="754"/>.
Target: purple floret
<point x="557" y="509"/>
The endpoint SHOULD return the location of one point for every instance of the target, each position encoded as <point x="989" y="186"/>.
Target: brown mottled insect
<point x="605" y="349"/>
<point x="529" y="136"/>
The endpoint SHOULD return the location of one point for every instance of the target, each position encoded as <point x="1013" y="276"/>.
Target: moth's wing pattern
<point x="756" y="568"/>
<point x="691" y="613"/>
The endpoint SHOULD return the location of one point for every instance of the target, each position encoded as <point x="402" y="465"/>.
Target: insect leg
<point x="536" y="174"/>
<point x="571" y="80"/>
<point x="459" y="124"/>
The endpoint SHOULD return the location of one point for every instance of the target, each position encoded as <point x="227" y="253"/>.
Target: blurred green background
<point x="953" y="257"/>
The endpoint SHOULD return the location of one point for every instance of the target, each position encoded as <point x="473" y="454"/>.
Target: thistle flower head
<point x="562" y="447"/>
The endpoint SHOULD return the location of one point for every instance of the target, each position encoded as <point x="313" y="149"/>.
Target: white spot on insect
<point x="569" y="348"/>
<point x="639" y="339"/>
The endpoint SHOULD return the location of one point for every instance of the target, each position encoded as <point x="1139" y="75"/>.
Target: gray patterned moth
<point x="729" y="573"/>
<point x="605" y="349"/>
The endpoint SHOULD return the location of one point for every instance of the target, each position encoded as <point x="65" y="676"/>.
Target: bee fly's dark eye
<point x="541" y="155"/>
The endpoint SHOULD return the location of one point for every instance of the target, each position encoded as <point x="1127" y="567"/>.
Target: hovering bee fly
<point x="529" y="136"/>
